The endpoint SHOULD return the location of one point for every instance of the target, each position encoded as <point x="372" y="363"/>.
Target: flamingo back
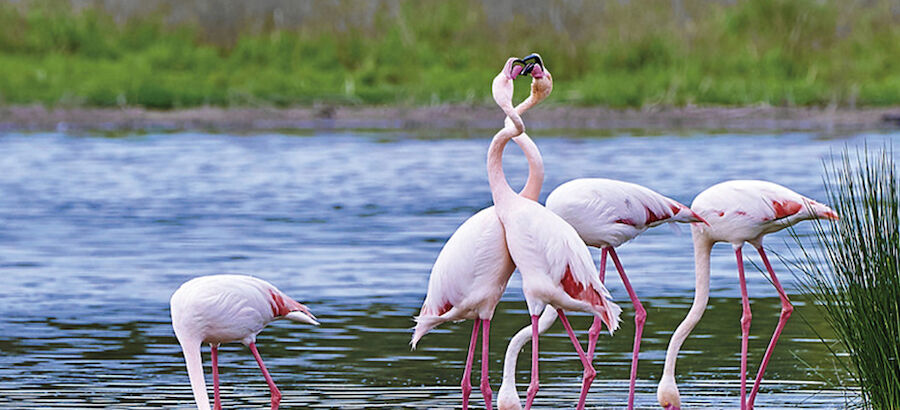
<point x="745" y="210"/>
<point x="607" y="212"/>
<point x="556" y="265"/>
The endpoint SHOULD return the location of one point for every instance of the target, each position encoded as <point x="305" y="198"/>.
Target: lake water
<point x="97" y="232"/>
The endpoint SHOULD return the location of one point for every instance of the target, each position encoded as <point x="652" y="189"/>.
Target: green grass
<point x="853" y="272"/>
<point x="620" y="54"/>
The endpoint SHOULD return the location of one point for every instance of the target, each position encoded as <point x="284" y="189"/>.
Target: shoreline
<point x="36" y="118"/>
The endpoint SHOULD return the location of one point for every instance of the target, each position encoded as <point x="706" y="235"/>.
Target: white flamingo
<point x="737" y="212"/>
<point x="220" y="309"/>
<point x="606" y="213"/>
<point x="556" y="265"/>
<point x="473" y="268"/>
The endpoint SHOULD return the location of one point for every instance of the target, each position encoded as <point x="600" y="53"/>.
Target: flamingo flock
<point x="549" y="245"/>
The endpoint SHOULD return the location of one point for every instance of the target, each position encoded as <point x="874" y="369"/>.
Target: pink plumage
<point x="220" y="309"/>
<point x="473" y="268"/>
<point x="556" y="265"/>
<point x="737" y="211"/>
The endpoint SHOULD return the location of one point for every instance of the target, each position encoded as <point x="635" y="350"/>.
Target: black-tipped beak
<point x="530" y="61"/>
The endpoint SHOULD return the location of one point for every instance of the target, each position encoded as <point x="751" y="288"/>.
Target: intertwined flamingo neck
<point x="540" y="89"/>
<point x="535" y="181"/>
<point x="501" y="192"/>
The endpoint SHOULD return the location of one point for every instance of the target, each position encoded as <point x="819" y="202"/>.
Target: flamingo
<point x="557" y="269"/>
<point x="737" y="212"/>
<point x="606" y="213"/>
<point x="473" y="268"/>
<point x="220" y="309"/>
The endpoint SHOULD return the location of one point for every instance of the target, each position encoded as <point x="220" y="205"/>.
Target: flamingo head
<point x="667" y="394"/>
<point x="541" y="80"/>
<point x="508" y="398"/>
<point x="534" y="66"/>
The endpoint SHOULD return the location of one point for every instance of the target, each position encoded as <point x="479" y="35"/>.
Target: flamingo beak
<point x="516" y="67"/>
<point x="534" y="65"/>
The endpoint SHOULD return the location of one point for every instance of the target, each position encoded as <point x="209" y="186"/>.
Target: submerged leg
<point x="640" y="317"/>
<point x="276" y="395"/>
<point x="466" y="383"/>
<point x="589" y="372"/>
<point x="485" y="379"/>
<point x="534" y="385"/>
<point x="745" y="325"/>
<point x="214" y="352"/>
<point x="786" y="310"/>
<point x="597" y="326"/>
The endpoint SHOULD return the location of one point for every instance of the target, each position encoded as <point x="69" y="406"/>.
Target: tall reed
<point x="852" y="272"/>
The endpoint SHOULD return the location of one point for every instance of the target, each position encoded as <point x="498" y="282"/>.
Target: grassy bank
<point x="620" y="54"/>
<point x="857" y="288"/>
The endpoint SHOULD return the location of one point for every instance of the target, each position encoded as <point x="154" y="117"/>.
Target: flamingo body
<point x="608" y="213"/>
<point x="469" y="276"/>
<point x="605" y="213"/>
<point x="737" y="211"/>
<point x="220" y="309"/>
<point x="557" y="268"/>
<point x="741" y="211"/>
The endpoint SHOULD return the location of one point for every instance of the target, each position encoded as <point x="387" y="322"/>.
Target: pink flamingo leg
<point x="534" y="385"/>
<point x="597" y="326"/>
<point x="640" y="317"/>
<point x="214" y="352"/>
<point x="485" y="377"/>
<point x="467" y="374"/>
<point x="786" y="310"/>
<point x="276" y="395"/>
<point x="745" y="325"/>
<point x="589" y="372"/>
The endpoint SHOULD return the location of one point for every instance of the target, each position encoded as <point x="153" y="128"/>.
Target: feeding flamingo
<point x="737" y="212"/>
<point x="607" y="213"/>
<point x="556" y="266"/>
<point x="472" y="270"/>
<point x="220" y="309"/>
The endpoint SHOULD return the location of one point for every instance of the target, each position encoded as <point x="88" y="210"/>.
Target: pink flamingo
<point x="472" y="270"/>
<point x="220" y="309"/>
<point x="607" y="213"/>
<point x="557" y="269"/>
<point x="737" y="212"/>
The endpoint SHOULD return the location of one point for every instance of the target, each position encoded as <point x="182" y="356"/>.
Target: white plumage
<point x="220" y="309"/>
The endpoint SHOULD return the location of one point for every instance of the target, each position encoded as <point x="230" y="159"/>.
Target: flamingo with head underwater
<point x="473" y="268"/>
<point x="220" y="309"/>
<point x="606" y="213"/>
<point x="556" y="266"/>
<point x="737" y="212"/>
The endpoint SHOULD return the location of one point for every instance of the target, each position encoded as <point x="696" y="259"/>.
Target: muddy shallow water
<point x="96" y="233"/>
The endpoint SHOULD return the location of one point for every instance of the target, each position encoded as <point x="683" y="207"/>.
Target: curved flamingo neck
<point x="194" y="365"/>
<point x="702" y="250"/>
<point x="532" y="189"/>
<point x="501" y="192"/>
<point x="502" y="90"/>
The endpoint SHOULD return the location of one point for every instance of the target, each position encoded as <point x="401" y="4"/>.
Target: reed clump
<point x="852" y="272"/>
<point x="172" y="53"/>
